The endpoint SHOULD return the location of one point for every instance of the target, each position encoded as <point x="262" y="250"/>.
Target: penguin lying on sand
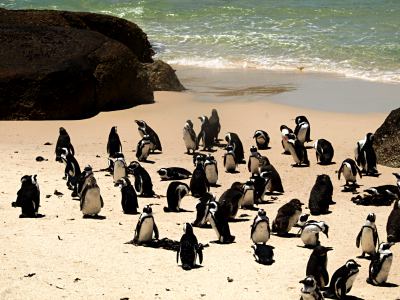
<point x="380" y="265"/>
<point x="317" y="265"/>
<point x="28" y="197"/>
<point x="145" y="227"/>
<point x="173" y="173"/>
<point x="189" y="249"/>
<point x="342" y="280"/>
<point x="310" y="289"/>
<point x="383" y="195"/>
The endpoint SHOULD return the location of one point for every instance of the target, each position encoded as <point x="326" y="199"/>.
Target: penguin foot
<point x="370" y="281"/>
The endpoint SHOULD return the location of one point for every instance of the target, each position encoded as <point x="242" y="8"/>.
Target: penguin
<point x="189" y="249"/>
<point x="230" y="162"/>
<point x="393" y="224"/>
<point x="174" y="173"/>
<point x="302" y="130"/>
<point x="211" y="169"/>
<point x="260" y="230"/>
<point x="146" y="129"/>
<point x="317" y="265"/>
<point x="263" y="254"/>
<point x="380" y="265"/>
<point x="260" y="189"/>
<point x="262" y="139"/>
<point x="321" y="195"/>
<point x="368" y="236"/>
<point x="310" y="233"/>
<point x="229" y="201"/>
<point x="248" y="198"/>
<point x="215" y="126"/>
<point x="234" y="140"/>
<point x="254" y="161"/>
<point x="298" y="151"/>
<point x="285" y="133"/>
<point x="83" y="179"/>
<point x="349" y="169"/>
<point x="63" y="141"/>
<point x="119" y="169"/>
<point x="202" y="209"/>
<point x="143" y="148"/>
<point x="310" y="289"/>
<point x="129" y="200"/>
<point x="342" y="280"/>
<point x="189" y="137"/>
<point x="114" y="143"/>
<point x="143" y="183"/>
<point x="145" y="227"/>
<point x="72" y="170"/>
<point x="219" y="223"/>
<point x="323" y="151"/>
<point x="175" y="192"/>
<point x="302" y="220"/>
<point x="287" y="217"/>
<point x="199" y="184"/>
<point x="271" y="175"/>
<point x="378" y="195"/>
<point x="199" y="157"/>
<point x="365" y="155"/>
<point x="206" y="134"/>
<point x="28" y="197"/>
<point x="91" y="200"/>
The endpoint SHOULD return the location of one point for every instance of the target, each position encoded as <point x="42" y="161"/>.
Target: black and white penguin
<point x="262" y="139"/>
<point x="202" y="210"/>
<point x="143" y="183"/>
<point x="72" y="170"/>
<point x="321" y="195"/>
<point x="260" y="230"/>
<point x="189" y="249"/>
<point x="219" y="223"/>
<point x="175" y="192"/>
<point x="230" y="162"/>
<point x="298" y="151"/>
<point x="302" y="130"/>
<point x="145" y="227"/>
<point x="310" y="289"/>
<point x="365" y="155"/>
<point x="349" y="169"/>
<point x="287" y="216"/>
<point x="206" y="134"/>
<point x="380" y="265"/>
<point x="189" y="137"/>
<point x="129" y="200"/>
<point x="199" y="184"/>
<point x="119" y="169"/>
<point x="174" y="173"/>
<point x="263" y="254"/>
<point x="248" y="198"/>
<point x="271" y="175"/>
<point x="368" y="236"/>
<point x="302" y="220"/>
<point x="114" y="143"/>
<point x="260" y="185"/>
<point x="211" y="169"/>
<point x="215" y="126"/>
<point x="63" y="141"/>
<point x="143" y="148"/>
<point x="324" y="151"/>
<point x="253" y="163"/>
<point x="285" y="134"/>
<point x="317" y="265"/>
<point x="229" y="201"/>
<point x="393" y="224"/>
<point x="310" y="233"/>
<point x="382" y="195"/>
<point x="146" y="129"/>
<point x="91" y="200"/>
<point x="234" y="140"/>
<point x="28" y="197"/>
<point x="342" y="280"/>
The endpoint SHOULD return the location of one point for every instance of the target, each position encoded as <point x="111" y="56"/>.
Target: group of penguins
<point x="264" y="180"/>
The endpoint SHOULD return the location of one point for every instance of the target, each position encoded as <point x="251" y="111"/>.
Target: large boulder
<point x="387" y="141"/>
<point x="162" y="77"/>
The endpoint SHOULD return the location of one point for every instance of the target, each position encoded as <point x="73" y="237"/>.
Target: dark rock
<point x="387" y="141"/>
<point x="162" y="77"/>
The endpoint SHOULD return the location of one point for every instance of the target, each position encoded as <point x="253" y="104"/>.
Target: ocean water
<point x="354" y="38"/>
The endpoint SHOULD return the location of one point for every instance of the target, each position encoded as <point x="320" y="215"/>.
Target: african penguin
<point x="234" y="140"/>
<point x="129" y="200"/>
<point x="91" y="200"/>
<point x="143" y="183"/>
<point x="302" y="130"/>
<point x="248" y="198"/>
<point x="189" y="248"/>
<point x="199" y="184"/>
<point x="201" y="210"/>
<point x="254" y="161"/>
<point x="310" y="233"/>
<point x="317" y="265"/>
<point x="262" y="139"/>
<point x="199" y="157"/>
<point x="189" y="137"/>
<point x="366" y="156"/>
<point x="349" y="169"/>
<point x="380" y="265"/>
<point x="287" y="217"/>
<point x="173" y="173"/>
<point x="382" y="195"/>
<point x="310" y="289"/>
<point x="114" y="143"/>
<point x="271" y="175"/>
<point x="285" y="131"/>
<point x="145" y="227"/>
<point x="143" y="148"/>
<point x="230" y="160"/>
<point x="215" y="126"/>
<point x="72" y="170"/>
<point x="229" y="201"/>
<point x="323" y="151"/>
<point x="302" y="220"/>
<point x="393" y="223"/>
<point x="219" y="223"/>
<point x="63" y="141"/>
<point x="342" y="280"/>
<point x="211" y="169"/>
<point x="119" y="169"/>
<point x="206" y="134"/>
<point x="368" y="236"/>
<point x="298" y="151"/>
<point x="260" y="230"/>
<point x="28" y="197"/>
<point x="175" y="192"/>
<point x="321" y="195"/>
<point x="260" y="188"/>
<point x="144" y="129"/>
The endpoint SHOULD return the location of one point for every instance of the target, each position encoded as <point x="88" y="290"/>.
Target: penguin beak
<point x="302" y="281"/>
<point x="328" y="248"/>
<point x="358" y="265"/>
<point x="391" y="244"/>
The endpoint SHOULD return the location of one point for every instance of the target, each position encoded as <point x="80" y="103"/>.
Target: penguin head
<point x="352" y="266"/>
<point x="113" y="130"/>
<point x="88" y="169"/>
<point x="187" y="229"/>
<point x="212" y="206"/>
<point x="122" y="182"/>
<point x="62" y="131"/>
<point x="203" y="119"/>
<point x="210" y="157"/>
<point x="264" y="161"/>
<point x="253" y="149"/>
<point x="304" y="217"/>
<point x="189" y="124"/>
<point x="325" y="229"/>
<point x="34" y="179"/>
<point x="397" y="175"/>
<point x="321" y="251"/>
<point x="119" y="155"/>
<point x="249" y="183"/>
<point x="296" y="203"/>
<point x="261" y="212"/>
<point x="300" y="119"/>
<point x="163" y="172"/>
<point x="64" y="153"/>
<point x="229" y="148"/>
<point x="291" y="138"/>
<point x="133" y="165"/>
<point x="214" y="113"/>
<point x="371" y="217"/>
<point x="284" y="127"/>
<point x="26" y="179"/>
<point x="147" y="209"/>
<point x="309" y="284"/>
<point x="385" y="246"/>
<point x="140" y="123"/>
<point x="237" y="186"/>
<point x="370" y="137"/>
<point x="257" y="134"/>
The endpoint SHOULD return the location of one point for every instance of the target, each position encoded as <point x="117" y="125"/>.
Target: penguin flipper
<point x="358" y="240"/>
<point x="200" y="253"/>
<point x="340" y="171"/>
<point x="325" y="276"/>
<point x="177" y="254"/>
<point x="101" y="201"/>
<point x="156" y="236"/>
<point x="71" y="149"/>
<point x="359" y="171"/>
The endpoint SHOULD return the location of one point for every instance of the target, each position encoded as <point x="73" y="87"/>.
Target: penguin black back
<point x="215" y="126"/>
<point x="199" y="184"/>
<point x="28" y="197"/>
<point x="189" y="248"/>
<point x="143" y="182"/>
<point x="393" y="223"/>
<point x="63" y="141"/>
<point x="113" y="144"/>
<point x="321" y="195"/>
<point x="129" y="201"/>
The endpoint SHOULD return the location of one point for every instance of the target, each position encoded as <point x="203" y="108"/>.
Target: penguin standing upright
<point x="302" y="130"/>
<point x="321" y="195"/>
<point x="324" y="151"/>
<point x="248" y="198"/>
<point x="380" y="265"/>
<point x="317" y="265"/>
<point x="230" y="162"/>
<point x="262" y="139"/>
<point x="285" y="133"/>
<point x="206" y="134"/>
<point x="146" y="129"/>
<point x="298" y="151"/>
<point x="63" y="141"/>
<point x="189" y="248"/>
<point x="260" y="230"/>
<point x="175" y="192"/>
<point x="211" y="169"/>
<point x="365" y="155"/>
<point x="143" y="148"/>
<point x="234" y="140"/>
<point x="114" y="143"/>
<point x="28" y="197"/>
<point x="393" y="223"/>
<point x="189" y="137"/>
<point x="310" y="289"/>
<point x="91" y="200"/>
<point x="143" y="183"/>
<point x="129" y="201"/>
<point x="342" y="280"/>
<point x="215" y="126"/>
<point x="219" y="223"/>
<point x="287" y="217"/>
<point x="368" y="236"/>
<point x="145" y="227"/>
<point x="72" y="170"/>
<point x="229" y="201"/>
<point x="254" y="161"/>
<point x="199" y="184"/>
<point x="202" y="209"/>
<point x="349" y="169"/>
<point x="260" y="189"/>
<point x="119" y="169"/>
<point x="271" y="175"/>
<point x="310" y="233"/>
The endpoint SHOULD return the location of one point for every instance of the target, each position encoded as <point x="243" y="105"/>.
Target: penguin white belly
<point x="384" y="272"/>
<point x="367" y="241"/>
<point x="230" y="164"/>
<point x="189" y="143"/>
<point x="119" y="170"/>
<point x="348" y="174"/>
<point x="301" y="135"/>
<point x="261" y="233"/>
<point x="92" y="203"/>
<point x="214" y="226"/>
<point x="293" y="153"/>
<point x="294" y="219"/>
<point x="145" y="152"/>
<point x="211" y="174"/>
<point x="260" y="140"/>
<point x="349" y="284"/>
<point x="307" y="296"/>
<point x="152" y="146"/>
<point x="254" y="165"/>
<point x="309" y="236"/>
<point x="285" y="144"/>
<point x="146" y="230"/>
<point x="248" y="198"/>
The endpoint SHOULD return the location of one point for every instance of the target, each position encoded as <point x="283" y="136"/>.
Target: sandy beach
<point x="65" y="256"/>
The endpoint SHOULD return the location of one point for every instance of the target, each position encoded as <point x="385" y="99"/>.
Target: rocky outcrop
<point x="387" y="141"/>
<point x="67" y="65"/>
<point x="162" y="77"/>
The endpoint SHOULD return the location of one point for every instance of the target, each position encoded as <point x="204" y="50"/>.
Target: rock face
<point x="387" y="141"/>
<point x="162" y="77"/>
<point x="67" y="65"/>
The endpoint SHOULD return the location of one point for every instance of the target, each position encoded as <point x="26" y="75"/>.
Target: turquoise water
<point x="355" y="38"/>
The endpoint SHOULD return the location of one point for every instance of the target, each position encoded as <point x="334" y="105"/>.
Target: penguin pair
<point x="175" y="192"/>
<point x="309" y="233"/>
<point x="230" y="161"/>
<point x="145" y="227"/>
<point x="234" y="141"/>
<point x="199" y="184"/>
<point x="189" y="249"/>
<point x="28" y="197"/>
<point x="380" y="265"/>
<point x="143" y="182"/>
<point x="63" y="141"/>
<point x="321" y="195"/>
<point x="253" y="164"/>
<point x="302" y="130"/>
<point x="365" y="155"/>
<point x="342" y="280"/>
<point x="285" y="134"/>
<point x="72" y="170"/>
<point x="174" y="173"/>
<point x="323" y="151"/>
<point x="350" y="170"/>
<point x="91" y="201"/>
<point x="287" y="217"/>
<point x="145" y="129"/>
<point x="189" y="137"/>
<point x="271" y="176"/>
<point x="368" y="238"/>
<point x="298" y="151"/>
<point x="143" y="148"/>
<point x="260" y="230"/>
<point x="262" y="139"/>
<point x="211" y="170"/>
<point x="206" y="134"/>
<point x="129" y="200"/>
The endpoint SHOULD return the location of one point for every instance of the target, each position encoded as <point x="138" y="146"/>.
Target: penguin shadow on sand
<point x="263" y="254"/>
<point x="351" y="188"/>
<point x="94" y="217"/>
<point x="288" y="235"/>
<point x="326" y="164"/>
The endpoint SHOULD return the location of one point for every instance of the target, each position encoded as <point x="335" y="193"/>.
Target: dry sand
<point x="77" y="258"/>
